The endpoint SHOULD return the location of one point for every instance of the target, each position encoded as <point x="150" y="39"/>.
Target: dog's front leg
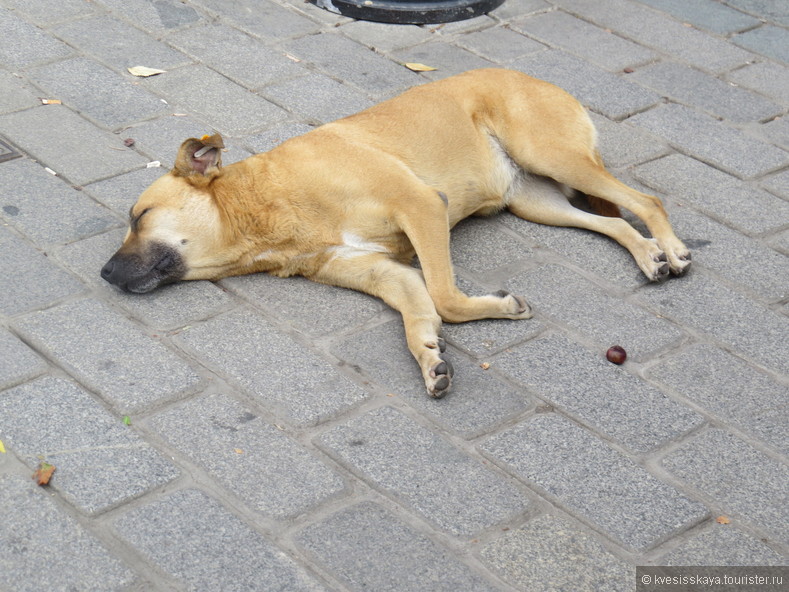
<point x="403" y="288"/>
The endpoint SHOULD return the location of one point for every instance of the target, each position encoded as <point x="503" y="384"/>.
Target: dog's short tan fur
<point x="353" y="201"/>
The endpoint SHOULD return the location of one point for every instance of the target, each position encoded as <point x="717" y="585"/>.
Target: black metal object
<point x="414" y="12"/>
<point x="7" y="152"/>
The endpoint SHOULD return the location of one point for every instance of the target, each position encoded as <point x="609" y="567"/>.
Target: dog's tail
<point x="604" y="207"/>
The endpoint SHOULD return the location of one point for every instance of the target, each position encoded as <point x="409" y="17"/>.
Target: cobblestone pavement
<point x="269" y="434"/>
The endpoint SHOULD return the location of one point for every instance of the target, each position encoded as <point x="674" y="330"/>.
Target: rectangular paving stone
<point x="282" y="375"/>
<point x="515" y="8"/>
<point x="706" y="14"/>
<point x="499" y="44"/>
<point x="101" y="462"/>
<point x="119" y="193"/>
<point x="25" y="45"/>
<point x="263" y="19"/>
<point x="593" y="481"/>
<point x="109" y="354"/>
<point x="312" y="308"/>
<point x="317" y="98"/>
<point x="731" y="254"/>
<point x="477" y="401"/>
<point x="198" y="89"/>
<point x="383" y="37"/>
<point x="621" y="144"/>
<point x="252" y="459"/>
<point x="196" y="540"/>
<point x="716" y="97"/>
<point x="767" y="40"/>
<point x="712" y="141"/>
<point x="660" y="32"/>
<point x="46" y="13"/>
<point x="369" y="548"/>
<point x="766" y="9"/>
<point x="746" y="483"/>
<point x="120" y="45"/>
<point x="274" y="136"/>
<point x="603" y="395"/>
<point x="482" y="246"/>
<point x="561" y="294"/>
<point x="720" y="196"/>
<point x="45" y="208"/>
<point x="551" y="552"/>
<point x="418" y="467"/>
<point x="354" y="63"/>
<point x="17" y="361"/>
<point x="447" y="59"/>
<point x="82" y="152"/>
<point x="594" y="87"/>
<point x="237" y="55"/>
<point x="17" y="93"/>
<point x="700" y="302"/>
<point x="723" y="544"/>
<point x="37" y="281"/>
<point x="155" y="17"/>
<point x="45" y="549"/>
<point x="765" y="77"/>
<point x="585" y="40"/>
<point x="168" y="307"/>
<point x="97" y="92"/>
<point x="729" y="388"/>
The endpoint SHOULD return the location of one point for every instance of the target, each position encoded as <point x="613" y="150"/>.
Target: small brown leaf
<point x="44" y="473"/>
<point x="484" y="365"/>
<point x="416" y="67"/>
<point x="722" y="520"/>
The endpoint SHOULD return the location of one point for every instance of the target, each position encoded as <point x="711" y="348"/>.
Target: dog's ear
<point x="199" y="157"/>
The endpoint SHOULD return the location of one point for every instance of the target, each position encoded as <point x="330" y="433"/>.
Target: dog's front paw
<point x="439" y="379"/>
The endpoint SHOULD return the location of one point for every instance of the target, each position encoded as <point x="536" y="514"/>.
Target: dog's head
<point x="175" y="228"/>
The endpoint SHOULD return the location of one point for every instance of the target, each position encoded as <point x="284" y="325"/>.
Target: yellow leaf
<point x="416" y="67"/>
<point x="722" y="520"/>
<point x="2" y="448"/>
<point x="238" y="451"/>
<point x="144" y="71"/>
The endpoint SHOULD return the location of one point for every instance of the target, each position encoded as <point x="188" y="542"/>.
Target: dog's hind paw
<point x="440" y="379"/>
<point x="520" y="308"/>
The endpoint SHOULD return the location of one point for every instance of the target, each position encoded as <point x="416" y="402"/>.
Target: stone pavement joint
<point x="267" y="434"/>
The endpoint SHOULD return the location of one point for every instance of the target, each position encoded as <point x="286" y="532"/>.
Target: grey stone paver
<point x="264" y="467"/>
<point x="267" y="433"/>
<point x="100" y="461"/>
<point x="131" y="371"/>
<point x="579" y="37"/>
<point x="710" y="140"/>
<point x="550" y="553"/>
<point x="270" y="366"/>
<point x="713" y="462"/>
<point x="171" y="533"/>
<point x="371" y="549"/>
<point x="600" y="393"/>
<point x="44" y="548"/>
<point x="588" y="477"/>
<point x="596" y="88"/>
<point x="82" y="153"/>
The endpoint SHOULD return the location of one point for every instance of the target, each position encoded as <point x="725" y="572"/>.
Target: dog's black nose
<point x="106" y="271"/>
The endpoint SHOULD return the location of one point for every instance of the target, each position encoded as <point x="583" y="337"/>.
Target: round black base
<point x="410" y="12"/>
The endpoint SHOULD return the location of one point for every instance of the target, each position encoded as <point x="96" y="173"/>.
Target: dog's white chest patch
<point x="355" y="246"/>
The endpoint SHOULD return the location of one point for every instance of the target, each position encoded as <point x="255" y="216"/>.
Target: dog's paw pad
<point x="441" y="379"/>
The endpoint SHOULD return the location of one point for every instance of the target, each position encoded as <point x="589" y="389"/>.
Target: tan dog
<point x="353" y="201"/>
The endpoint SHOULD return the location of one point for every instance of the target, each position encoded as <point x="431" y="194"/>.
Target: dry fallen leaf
<point x="51" y="102"/>
<point x="484" y="365"/>
<point x="44" y="473"/>
<point x="416" y="67"/>
<point x="238" y="451"/>
<point x="722" y="520"/>
<point x="144" y="71"/>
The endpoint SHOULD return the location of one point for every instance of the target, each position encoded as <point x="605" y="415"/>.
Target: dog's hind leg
<point x="540" y="199"/>
<point x="425" y="222"/>
<point x="403" y="288"/>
